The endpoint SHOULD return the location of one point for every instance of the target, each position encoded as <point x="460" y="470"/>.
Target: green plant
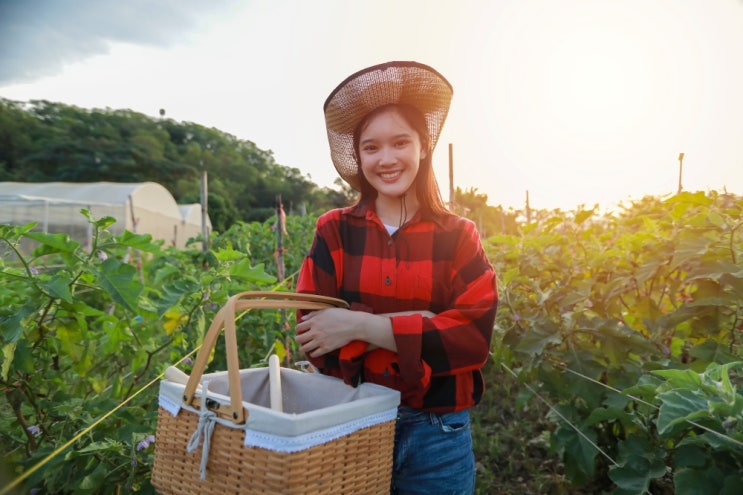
<point x="594" y="308"/>
<point x="85" y="330"/>
<point x="623" y="332"/>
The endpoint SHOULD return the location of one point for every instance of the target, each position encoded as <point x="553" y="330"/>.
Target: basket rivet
<point x="234" y="415"/>
<point x="185" y="398"/>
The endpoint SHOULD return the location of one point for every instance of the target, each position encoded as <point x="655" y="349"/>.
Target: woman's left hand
<point x="321" y="332"/>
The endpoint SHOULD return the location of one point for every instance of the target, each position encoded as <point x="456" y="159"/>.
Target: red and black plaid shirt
<point x="431" y="263"/>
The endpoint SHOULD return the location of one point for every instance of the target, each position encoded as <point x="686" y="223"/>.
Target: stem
<point x="15" y="403"/>
<point x="147" y="365"/>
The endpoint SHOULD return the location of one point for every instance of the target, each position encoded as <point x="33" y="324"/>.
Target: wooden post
<point x="204" y="211"/>
<point x="279" y="239"/>
<point x="681" y="164"/>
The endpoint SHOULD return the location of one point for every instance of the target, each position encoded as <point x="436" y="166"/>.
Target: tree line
<point x="43" y="141"/>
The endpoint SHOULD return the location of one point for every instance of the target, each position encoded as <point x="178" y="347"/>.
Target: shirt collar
<point x="364" y="208"/>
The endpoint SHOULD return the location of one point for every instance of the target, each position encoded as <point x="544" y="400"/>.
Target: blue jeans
<point x="433" y="454"/>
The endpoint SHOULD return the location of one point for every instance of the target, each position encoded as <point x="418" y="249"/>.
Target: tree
<point x="42" y="141"/>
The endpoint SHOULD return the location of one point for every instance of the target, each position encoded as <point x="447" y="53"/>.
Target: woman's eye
<point x="369" y="148"/>
<point x="402" y="143"/>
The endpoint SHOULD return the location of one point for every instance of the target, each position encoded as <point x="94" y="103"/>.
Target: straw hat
<point x="393" y="82"/>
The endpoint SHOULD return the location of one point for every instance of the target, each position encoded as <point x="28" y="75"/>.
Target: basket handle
<point x="225" y="318"/>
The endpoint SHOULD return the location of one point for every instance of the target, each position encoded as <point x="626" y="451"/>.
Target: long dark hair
<point x="426" y="188"/>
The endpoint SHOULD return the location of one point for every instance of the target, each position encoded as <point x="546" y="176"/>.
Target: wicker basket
<point x="217" y="434"/>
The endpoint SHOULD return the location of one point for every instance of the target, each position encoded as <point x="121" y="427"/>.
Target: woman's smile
<point x="390" y="176"/>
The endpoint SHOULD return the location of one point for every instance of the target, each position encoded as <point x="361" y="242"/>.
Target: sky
<point x="573" y="102"/>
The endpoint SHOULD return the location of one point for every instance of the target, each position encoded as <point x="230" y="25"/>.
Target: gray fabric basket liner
<point x="311" y="401"/>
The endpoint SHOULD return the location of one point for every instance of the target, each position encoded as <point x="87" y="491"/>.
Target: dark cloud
<point x="38" y="37"/>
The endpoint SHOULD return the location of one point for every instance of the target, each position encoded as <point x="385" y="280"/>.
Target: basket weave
<point x="356" y="463"/>
<point x="360" y="463"/>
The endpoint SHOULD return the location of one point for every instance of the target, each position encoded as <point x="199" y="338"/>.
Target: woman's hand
<point x="321" y="332"/>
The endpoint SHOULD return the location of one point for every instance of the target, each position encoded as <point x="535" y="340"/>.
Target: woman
<point x="422" y="293"/>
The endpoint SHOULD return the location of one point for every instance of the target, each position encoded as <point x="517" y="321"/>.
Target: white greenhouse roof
<point x="142" y="207"/>
<point x="97" y="193"/>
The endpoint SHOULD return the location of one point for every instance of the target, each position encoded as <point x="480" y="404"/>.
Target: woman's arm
<point x="327" y="330"/>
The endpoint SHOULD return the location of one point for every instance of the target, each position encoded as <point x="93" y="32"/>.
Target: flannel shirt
<point x="430" y="263"/>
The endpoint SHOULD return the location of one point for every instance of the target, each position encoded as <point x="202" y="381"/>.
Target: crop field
<point x="615" y="367"/>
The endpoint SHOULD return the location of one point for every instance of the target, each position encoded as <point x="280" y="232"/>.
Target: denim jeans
<point x="433" y="454"/>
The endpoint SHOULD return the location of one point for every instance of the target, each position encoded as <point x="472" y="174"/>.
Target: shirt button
<point x="387" y="281"/>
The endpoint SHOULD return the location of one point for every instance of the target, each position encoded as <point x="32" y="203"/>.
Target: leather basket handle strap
<point x="225" y="319"/>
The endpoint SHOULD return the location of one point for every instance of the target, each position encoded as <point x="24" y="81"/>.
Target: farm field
<point x="615" y="368"/>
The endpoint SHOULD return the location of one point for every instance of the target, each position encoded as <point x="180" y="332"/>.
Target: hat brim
<point x="409" y="83"/>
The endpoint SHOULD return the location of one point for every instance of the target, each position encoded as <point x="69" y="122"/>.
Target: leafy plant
<point x="598" y="311"/>
<point x="84" y="331"/>
<point x="623" y="331"/>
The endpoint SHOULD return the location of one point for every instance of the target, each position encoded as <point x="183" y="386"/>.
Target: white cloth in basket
<point x="317" y="408"/>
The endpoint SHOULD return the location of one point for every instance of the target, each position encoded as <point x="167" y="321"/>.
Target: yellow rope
<point x="77" y="437"/>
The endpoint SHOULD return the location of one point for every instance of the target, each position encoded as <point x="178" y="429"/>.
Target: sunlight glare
<point x="597" y="84"/>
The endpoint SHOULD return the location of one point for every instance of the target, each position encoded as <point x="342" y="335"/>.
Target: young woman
<point x="422" y="293"/>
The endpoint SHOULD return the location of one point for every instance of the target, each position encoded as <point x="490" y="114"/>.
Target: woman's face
<point x="390" y="152"/>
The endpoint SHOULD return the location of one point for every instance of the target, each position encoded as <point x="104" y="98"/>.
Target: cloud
<point x="39" y="37"/>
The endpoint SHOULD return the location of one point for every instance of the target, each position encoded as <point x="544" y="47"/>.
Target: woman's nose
<point x="387" y="157"/>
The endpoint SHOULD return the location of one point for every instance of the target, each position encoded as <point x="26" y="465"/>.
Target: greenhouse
<point x="142" y="208"/>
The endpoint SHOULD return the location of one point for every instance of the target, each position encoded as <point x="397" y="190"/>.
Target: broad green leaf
<point x="142" y="242"/>
<point x="12" y="325"/>
<point x="257" y="274"/>
<point x="609" y="414"/>
<point x="107" y="444"/>
<point x="678" y="407"/>
<point x="732" y="484"/>
<point x="119" y="280"/>
<point x="690" y="481"/>
<point x="691" y="456"/>
<point x="716" y="440"/>
<point x="172" y="294"/>
<point x="681" y="378"/>
<point x="617" y="341"/>
<point x="8" y="354"/>
<point x="583" y="215"/>
<point x="713" y="271"/>
<point x="229" y="254"/>
<point x="12" y="233"/>
<point x="279" y="350"/>
<point x="95" y="481"/>
<point x="635" y="473"/>
<point x="58" y="286"/>
<point x="70" y="342"/>
<point x="578" y="452"/>
<point x="52" y="243"/>
<point x="710" y="351"/>
<point x="537" y="337"/>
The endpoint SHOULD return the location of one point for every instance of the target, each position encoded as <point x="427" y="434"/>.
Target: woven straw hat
<point x="393" y="82"/>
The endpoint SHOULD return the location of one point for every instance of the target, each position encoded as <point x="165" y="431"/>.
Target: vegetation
<point x="616" y="362"/>
<point x="629" y="327"/>
<point x="615" y="368"/>
<point x="41" y="141"/>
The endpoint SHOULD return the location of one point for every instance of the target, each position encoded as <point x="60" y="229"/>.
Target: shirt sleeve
<point x="456" y="340"/>
<point x="317" y="276"/>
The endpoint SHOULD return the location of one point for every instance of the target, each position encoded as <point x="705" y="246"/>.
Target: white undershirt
<point x="391" y="229"/>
